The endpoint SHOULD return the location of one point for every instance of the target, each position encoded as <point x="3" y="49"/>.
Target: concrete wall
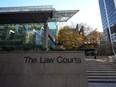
<point x="38" y="69"/>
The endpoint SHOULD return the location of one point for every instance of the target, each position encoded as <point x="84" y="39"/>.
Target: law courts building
<point x="30" y="27"/>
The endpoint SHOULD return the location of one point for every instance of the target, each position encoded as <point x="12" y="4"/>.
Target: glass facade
<point x="26" y="28"/>
<point x="22" y="36"/>
<point x="108" y="16"/>
<point x="53" y="29"/>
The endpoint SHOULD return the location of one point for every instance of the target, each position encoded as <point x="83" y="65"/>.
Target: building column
<point x="45" y="37"/>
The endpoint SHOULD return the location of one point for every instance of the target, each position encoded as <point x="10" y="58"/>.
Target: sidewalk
<point x="104" y="58"/>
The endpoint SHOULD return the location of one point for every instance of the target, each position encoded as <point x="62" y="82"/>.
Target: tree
<point x="73" y="38"/>
<point x="91" y="39"/>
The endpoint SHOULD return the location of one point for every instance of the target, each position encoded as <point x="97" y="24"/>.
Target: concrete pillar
<point x="45" y="39"/>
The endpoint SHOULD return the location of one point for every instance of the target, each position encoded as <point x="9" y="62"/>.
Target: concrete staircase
<point x="100" y="71"/>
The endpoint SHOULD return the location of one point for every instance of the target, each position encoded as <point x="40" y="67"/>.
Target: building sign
<point x="43" y="69"/>
<point x="58" y="59"/>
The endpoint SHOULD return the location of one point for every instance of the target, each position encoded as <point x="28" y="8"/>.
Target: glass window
<point x="21" y="36"/>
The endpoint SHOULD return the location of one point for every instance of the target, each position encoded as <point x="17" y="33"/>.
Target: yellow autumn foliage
<point x="92" y="40"/>
<point x="94" y="37"/>
<point x="73" y="39"/>
<point x="69" y="39"/>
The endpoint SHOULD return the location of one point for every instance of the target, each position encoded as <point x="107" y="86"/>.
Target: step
<point x="101" y="74"/>
<point x="100" y="70"/>
<point x="99" y="66"/>
<point x="102" y="77"/>
<point x="93" y="64"/>
<point x="91" y="71"/>
<point x="102" y="80"/>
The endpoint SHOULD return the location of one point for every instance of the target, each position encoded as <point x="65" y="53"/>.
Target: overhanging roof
<point x="34" y="14"/>
<point x="62" y="15"/>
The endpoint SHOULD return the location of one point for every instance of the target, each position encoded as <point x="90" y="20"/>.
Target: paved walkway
<point x="101" y="84"/>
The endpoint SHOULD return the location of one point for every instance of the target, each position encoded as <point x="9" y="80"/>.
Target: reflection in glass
<point x="21" y="36"/>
